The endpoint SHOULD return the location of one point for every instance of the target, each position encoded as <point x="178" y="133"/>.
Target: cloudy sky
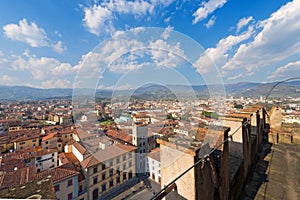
<point x="47" y="43"/>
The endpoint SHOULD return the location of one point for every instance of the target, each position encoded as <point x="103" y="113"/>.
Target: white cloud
<point x="96" y="18"/>
<point x="207" y="8"/>
<point x="6" y="80"/>
<point x="57" y="33"/>
<point x="32" y="35"/>
<point x="99" y="18"/>
<point x="231" y="78"/>
<point x="162" y="2"/>
<point x="287" y="71"/>
<point x="28" y="33"/>
<point x="59" y="47"/>
<point x="136" y="7"/>
<point x="56" y="83"/>
<point x="115" y="87"/>
<point x="210" y="22"/>
<point x="243" y="22"/>
<point x="166" y="33"/>
<point x="3" y="59"/>
<point x="167" y="55"/>
<point x="125" y="53"/>
<point x="278" y="40"/>
<point x="220" y="54"/>
<point x="125" y="66"/>
<point x="41" y="68"/>
<point x="167" y="20"/>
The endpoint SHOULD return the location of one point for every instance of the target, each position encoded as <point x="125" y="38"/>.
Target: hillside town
<point x="133" y="152"/>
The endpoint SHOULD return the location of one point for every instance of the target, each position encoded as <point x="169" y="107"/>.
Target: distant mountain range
<point x="245" y="89"/>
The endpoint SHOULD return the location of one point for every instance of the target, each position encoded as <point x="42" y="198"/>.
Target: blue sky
<point x="46" y="43"/>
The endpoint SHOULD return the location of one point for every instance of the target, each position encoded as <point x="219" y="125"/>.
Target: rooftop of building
<point x="26" y="137"/>
<point x="82" y="150"/>
<point x="49" y="136"/>
<point x="67" y="157"/>
<point x="106" y="154"/>
<point x="42" y="189"/>
<point x="155" y="154"/>
<point x="213" y="135"/>
<point x="120" y="135"/>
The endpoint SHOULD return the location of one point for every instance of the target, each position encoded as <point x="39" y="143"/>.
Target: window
<point x="103" y="166"/>
<point x="111" y="172"/>
<point x="124" y="166"/>
<point x="130" y="174"/>
<point x="124" y="157"/>
<point x="70" y="182"/>
<point x="65" y="136"/>
<point x="56" y="188"/>
<point x="110" y="163"/>
<point x="111" y="183"/>
<point x="130" y="163"/>
<point x="53" y="160"/>
<point x="143" y="143"/>
<point x="144" y="151"/>
<point x="118" y="179"/>
<point x="118" y="160"/>
<point x="46" y="142"/>
<point x="124" y="176"/>
<point x="118" y="170"/>
<point x="34" y="140"/>
<point x="70" y="196"/>
<point x="95" y="169"/>
<point x="103" y="176"/>
<point x="95" y="180"/>
<point x="129" y="155"/>
<point x="103" y="187"/>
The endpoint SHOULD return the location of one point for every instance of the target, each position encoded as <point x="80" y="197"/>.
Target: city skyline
<point x="43" y="44"/>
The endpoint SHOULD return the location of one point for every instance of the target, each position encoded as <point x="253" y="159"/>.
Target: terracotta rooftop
<point x="49" y="136"/>
<point x="89" y="161"/>
<point x="26" y="137"/>
<point x="66" y="157"/>
<point x="42" y="187"/>
<point x="66" y="131"/>
<point x="16" y="159"/>
<point x="51" y="128"/>
<point x="106" y="154"/>
<point x="120" y="135"/>
<point x="59" y="173"/>
<point x="9" y="164"/>
<point x="79" y="147"/>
